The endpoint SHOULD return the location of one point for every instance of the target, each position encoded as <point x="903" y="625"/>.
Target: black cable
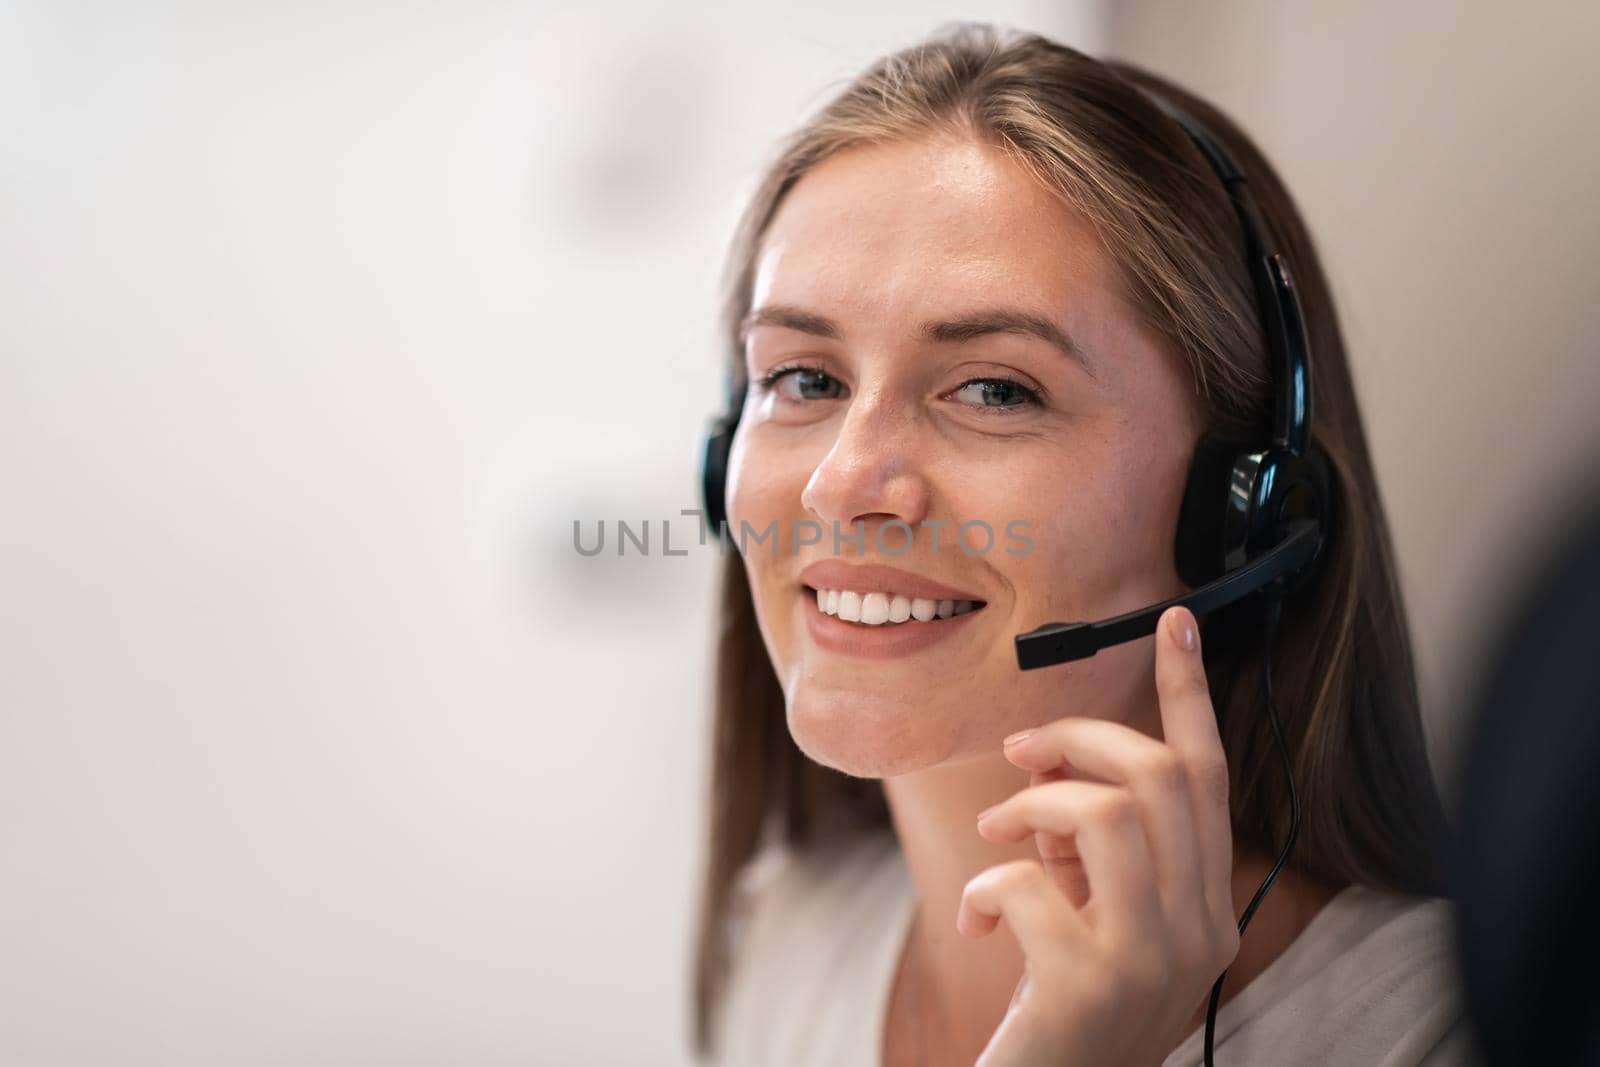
<point x="1273" y="611"/>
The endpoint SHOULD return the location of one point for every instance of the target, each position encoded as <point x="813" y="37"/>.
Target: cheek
<point x="764" y="483"/>
<point x="1105" y="523"/>
<point x="1078" y="516"/>
<point x="763" y="500"/>
<point x="1146" y="516"/>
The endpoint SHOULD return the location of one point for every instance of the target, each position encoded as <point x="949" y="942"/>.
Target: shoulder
<point x="793" y="897"/>
<point x="1374" y="978"/>
<point x="795" y="918"/>
<point x="1401" y="976"/>
<point x="1388" y="950"/>
<point x="1389" y="981"/>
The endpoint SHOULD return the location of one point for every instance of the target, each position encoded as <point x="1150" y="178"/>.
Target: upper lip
<point x="874" y="577"/>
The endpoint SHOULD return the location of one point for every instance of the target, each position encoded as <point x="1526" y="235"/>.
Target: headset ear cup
<point x="714" y="474"/>
<point x="1298" y="493"/>
<point x="1320" y="505"/>
<point x="1199" y="548"/>
<point x="1322" y="479"/>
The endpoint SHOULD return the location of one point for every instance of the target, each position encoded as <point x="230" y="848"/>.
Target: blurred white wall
<point x="319" y="743"/>
<point x="1447" y="157"/>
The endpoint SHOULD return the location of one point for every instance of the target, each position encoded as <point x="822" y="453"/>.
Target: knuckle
<point x="1016" y="875"/>
<point x="1066" y="727"/>
<point x="974" y="886"/>
<point x="982" y="884"/>
<point x="1056" y="796"/>
<point x="1228" y="942"/>
<point x="1062" y="864"/>
<point x="1219" y="944"/>
<point x="1215" y="781"/>
<point x="993" y="885"/>
<point x="1054" y="792"/>
<point x="1226" y="929"/>
<point x="1167" y="770"/>
<point x="1115" y="806"/>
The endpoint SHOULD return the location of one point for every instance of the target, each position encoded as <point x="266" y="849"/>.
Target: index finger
<point x="1189" y="726"/>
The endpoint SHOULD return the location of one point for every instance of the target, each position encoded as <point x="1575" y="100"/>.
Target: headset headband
<point x="1282" y="319"/>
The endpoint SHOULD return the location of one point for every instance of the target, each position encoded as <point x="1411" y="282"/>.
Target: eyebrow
<point x="974" y="324"/>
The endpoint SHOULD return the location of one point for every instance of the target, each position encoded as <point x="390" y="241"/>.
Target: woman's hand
<point x="1128" y="921"/>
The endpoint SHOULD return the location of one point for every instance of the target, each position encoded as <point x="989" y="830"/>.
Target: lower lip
<point x="887" y="641"/>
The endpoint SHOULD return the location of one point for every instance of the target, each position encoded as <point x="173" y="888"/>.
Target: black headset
<point x="1252" y="519"/>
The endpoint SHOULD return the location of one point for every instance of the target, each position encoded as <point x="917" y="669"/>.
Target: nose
<point x="874" y="472"/>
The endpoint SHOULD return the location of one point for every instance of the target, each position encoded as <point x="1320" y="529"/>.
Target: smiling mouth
<point x="877" y="608"/>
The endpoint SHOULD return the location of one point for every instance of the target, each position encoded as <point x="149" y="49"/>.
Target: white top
<point x="1370" y="982"/>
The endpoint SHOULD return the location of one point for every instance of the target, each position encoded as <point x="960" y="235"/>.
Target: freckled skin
<point x="880" y="239"/>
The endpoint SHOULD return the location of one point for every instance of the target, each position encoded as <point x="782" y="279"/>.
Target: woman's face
<point x="899" y="430"/>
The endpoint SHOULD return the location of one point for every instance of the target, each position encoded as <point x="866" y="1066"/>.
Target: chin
<point x="859" y="735"/>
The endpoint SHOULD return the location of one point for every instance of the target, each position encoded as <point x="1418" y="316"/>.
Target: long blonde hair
<point x="1343" y="675"/>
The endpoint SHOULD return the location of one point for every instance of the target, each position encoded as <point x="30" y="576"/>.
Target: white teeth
<point x="882" y="608"/>
<point x="875" y="609"/>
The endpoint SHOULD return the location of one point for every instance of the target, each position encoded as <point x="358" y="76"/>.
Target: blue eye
<point x="802" y="383"/>
<point x="998" y="393"/>
<point x="812" y="383"/>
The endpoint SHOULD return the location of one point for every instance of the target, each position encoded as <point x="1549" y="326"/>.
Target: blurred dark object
<point x="1524" y="861"/>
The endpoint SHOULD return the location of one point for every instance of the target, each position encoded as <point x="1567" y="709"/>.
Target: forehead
<point x="908" y="227"/>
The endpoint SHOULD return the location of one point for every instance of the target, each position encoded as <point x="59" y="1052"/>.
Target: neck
<point x="935" y="818"/>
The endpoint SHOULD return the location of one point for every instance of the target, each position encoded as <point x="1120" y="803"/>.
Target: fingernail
<point x="1019" y="737"/>
<point x="985" y="812"/>
<point x="1186" y="636"/>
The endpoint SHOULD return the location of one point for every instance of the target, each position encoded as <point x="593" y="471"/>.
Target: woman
<point x="992" y="285"/>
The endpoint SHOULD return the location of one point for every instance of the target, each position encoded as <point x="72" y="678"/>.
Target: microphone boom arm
<point x="1062" y="642"/>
